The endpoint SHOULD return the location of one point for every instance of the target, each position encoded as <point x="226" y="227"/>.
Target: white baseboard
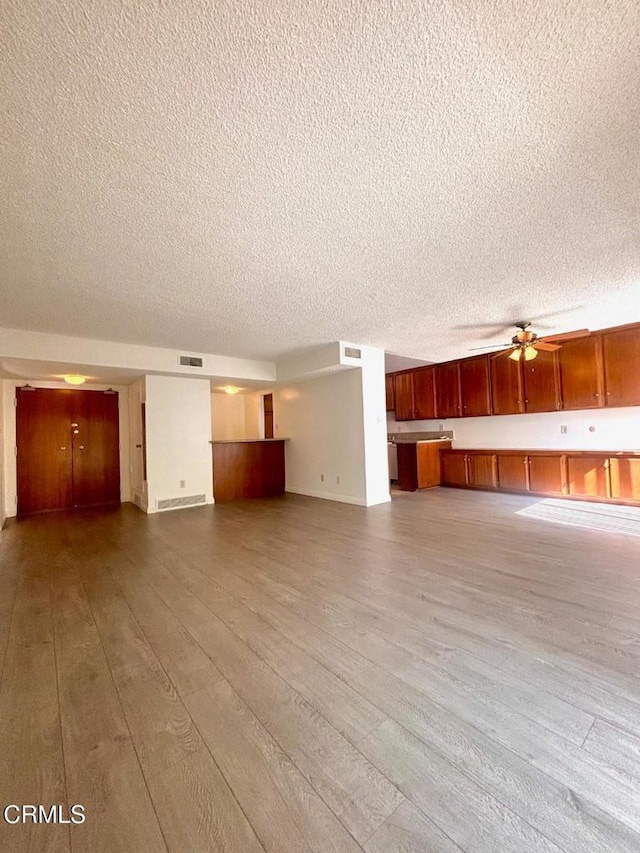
<point x="327" y="496"/>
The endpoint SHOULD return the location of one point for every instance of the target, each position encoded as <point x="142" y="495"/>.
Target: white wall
<point x="3" y="513"/>
<point x="615" y="429"/>
<point x="9" y="429"/>
<point x="227" y="416"/>
<point x="84" y="352"/>
<point x="337" y="431"/>
<point x="178" y="421"/>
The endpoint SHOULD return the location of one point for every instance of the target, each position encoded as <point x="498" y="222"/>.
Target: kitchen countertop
<point x="244" y="440"/>
<point x="419" y="437"/>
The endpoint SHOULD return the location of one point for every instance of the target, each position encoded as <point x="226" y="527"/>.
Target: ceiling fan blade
<point x="566" y="336"/>
<point x="543" y="346"/>
<point x="490" y="346"/>
<point x="504" y="352"/>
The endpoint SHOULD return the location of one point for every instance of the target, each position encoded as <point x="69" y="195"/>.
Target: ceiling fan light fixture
<point x="529" y="353"/>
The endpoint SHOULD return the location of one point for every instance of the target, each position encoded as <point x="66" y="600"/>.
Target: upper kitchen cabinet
<point x="448" y="400"/>
<point x="474" y="386"/>
<point x="389" y="387"/>
<point x="403" y="388"/>
<point x="424" y="401"/>
<point x="506" y="385"/>
<point x="541" y="384"/>
<point x="580" y="373"/>
<point x="621" y="355"/>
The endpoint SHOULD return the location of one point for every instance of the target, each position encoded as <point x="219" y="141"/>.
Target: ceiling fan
<point x="525" y="344"/>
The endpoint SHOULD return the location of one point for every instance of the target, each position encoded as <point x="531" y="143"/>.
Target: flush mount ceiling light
<point x="230" y="389"/>
<point x="74" y="379"/>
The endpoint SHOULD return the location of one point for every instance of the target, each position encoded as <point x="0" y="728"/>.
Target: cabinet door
<point x="474" y="386"/>
<point x="506" y="385"/>
<point x="454" y="468"/>
<point x="512" y="472"/>
<point x="621" y="354"/>
<point x="424" y="402"/>
<point x="547" y="474"/>
<point x="389" y="389"/>
<point x="447" y="378"/>
<point x="625" y="478"/>
<point x="588" y="476"/>
<point x="541" y="387"/>
<point x="403" y="385"/>
<point x="580" y="381"/>
<point x="481" y="470"/>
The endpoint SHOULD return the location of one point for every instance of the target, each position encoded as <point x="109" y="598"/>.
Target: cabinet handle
<point x="596" y="394"/>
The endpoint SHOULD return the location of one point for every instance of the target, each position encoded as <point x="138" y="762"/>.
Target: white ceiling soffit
<point x="256" y="180"/>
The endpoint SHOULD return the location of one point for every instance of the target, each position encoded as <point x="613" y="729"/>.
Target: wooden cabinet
<point x="621" y="358"/>
<point x="454" y="468"/>
<point x="447" y="381"/>
<point x="481" y="470"/>
<point x="419" y="464"/>
<point x="424" y="402"/>
<point x="580" y="373"/>
<point x="602" y="369"/>
<point x="389" y="389"/>
<point x="624" y="478"/>
<point x="506" y="386"/>
<point x="512" y="472"/>
<point x="474" y="386"/>
<point x="588" y="476"/>
<point x="540" y="383"/>
<point x="403" y="387"/>
<point x="547" y="474"/>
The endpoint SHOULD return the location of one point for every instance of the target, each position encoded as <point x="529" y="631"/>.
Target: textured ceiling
<point x="253" y="178"/>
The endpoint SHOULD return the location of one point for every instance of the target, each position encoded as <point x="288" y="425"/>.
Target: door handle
<point x="63" y="448"/>
<point x="82" y="447"/>
<point x="76" y="431"/>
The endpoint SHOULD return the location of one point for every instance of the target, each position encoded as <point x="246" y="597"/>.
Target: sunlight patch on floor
<point x="608" y="517"/>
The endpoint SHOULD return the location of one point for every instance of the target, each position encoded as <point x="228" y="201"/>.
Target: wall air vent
<point x="178" y="503"/>
<point x="190" y="361"/>
<point x="352" y="352"/>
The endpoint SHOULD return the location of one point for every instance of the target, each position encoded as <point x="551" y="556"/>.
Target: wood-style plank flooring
<point x="436" y="675"/>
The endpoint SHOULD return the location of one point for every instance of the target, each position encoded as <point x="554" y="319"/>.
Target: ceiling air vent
<point x="190" y="361"/>
<point x="352" y="352"/>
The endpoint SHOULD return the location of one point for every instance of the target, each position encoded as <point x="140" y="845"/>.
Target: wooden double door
<point x="67" y="449"/>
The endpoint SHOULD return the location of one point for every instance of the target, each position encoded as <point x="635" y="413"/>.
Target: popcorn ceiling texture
<point x="251" y="178"/>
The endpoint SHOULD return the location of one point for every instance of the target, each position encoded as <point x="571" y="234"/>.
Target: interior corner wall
<point x="594" y="429"/>
<point x="178" y="435"/>
<point x="375" y="426"/>
<point x="254" y="414"/>
<point x="9" y="473"/>
<point x="3" y="514"/>
<point x="323" y="419"/>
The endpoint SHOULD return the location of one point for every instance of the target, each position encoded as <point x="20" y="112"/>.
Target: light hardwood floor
<point x="435" y="675"/>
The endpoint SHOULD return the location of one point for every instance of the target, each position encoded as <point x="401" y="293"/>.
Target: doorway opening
<point x="267" y="402"/>
<point x="68" y="449"/>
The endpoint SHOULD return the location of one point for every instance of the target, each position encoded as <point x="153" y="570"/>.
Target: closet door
<point x="94" y="437"/>
<point x="44" y="451"/>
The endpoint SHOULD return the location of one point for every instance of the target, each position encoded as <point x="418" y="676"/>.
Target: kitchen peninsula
<point x="248" y="468"/>
<point x="419" y="459"/>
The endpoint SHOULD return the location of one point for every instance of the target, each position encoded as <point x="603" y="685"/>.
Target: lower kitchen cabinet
<point x="625" y="478"/>
<point x="419" y="464"/>
<point x="512" y="472"/>
<point x="597" y="476"/>
<point x="454" y="468"/>
<point x="588" y="476"/>
<point x="547" y="474"/>
<point x="481" y="470"/>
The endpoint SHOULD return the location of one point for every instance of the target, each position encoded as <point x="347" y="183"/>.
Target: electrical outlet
<point x="183" y="483"/>
<point x="338" y="480"/>
<point x="564" y="429"/>
<point x="322" y="478"/>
